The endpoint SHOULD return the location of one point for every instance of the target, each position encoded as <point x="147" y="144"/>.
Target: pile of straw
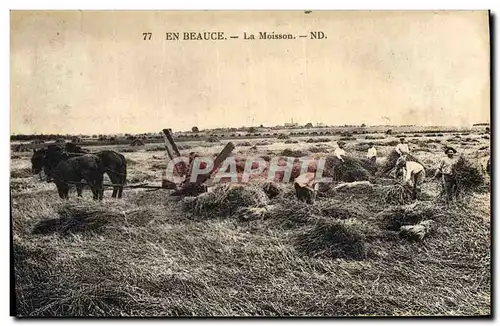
<point x="333" y="239"/>
<point x="293" y="153"/>
<point x="418" y="232"/>
<point x="348" y="171"/>
<point x="397" y="194"/>
<point x="468" y="178"/>
<point x="390" y="162"/>
<point x="225" y="200"/>
<point x="80" y="217"/>
<point x="395" y="217"/>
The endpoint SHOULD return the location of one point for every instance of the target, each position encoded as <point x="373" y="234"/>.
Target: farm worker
<point x="402" y="147"/>
<point x="306" y="187"/>
<point x="413" y="174"/>
<point x="372" y="154"/>
<point x="446" y="168"/>
<point x="339" y="151"/>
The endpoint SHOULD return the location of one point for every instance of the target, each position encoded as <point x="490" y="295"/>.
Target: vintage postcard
<point x="250" y="163"/>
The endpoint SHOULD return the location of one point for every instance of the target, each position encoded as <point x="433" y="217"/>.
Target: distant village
<point x="290" y="128"/>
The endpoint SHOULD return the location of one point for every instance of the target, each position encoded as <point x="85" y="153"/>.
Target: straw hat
<point x="450" y="149"/>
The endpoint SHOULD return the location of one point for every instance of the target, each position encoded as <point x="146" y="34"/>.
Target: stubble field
<point x="149" y="254"/>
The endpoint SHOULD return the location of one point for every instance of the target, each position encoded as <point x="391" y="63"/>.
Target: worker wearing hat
<point x="402" y="148"/>
<point x="446" y="169"/>
<point x="339" y="151"/>
<point x="372" y="153"/>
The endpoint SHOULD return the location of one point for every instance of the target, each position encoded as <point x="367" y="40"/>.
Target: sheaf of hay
<point x="333" y="239"/>
<point x="293" y="153"/>
<point x="394" y="218"/>
<point x="468" y="178"/>
<point x="348" y="171"/>
<point x="225" y="200"/>
<point x="391" y="159"/>
<point x="397" y="194"/>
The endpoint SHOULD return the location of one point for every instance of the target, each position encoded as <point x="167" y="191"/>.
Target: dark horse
<point x="75" y="169"/>
<point x="110" y="162"/>
<point x="115" y="166"/>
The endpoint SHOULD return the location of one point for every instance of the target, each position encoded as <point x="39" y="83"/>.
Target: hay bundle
<point x="293" y="153"/>
<point x="365" y="185"/>
<point x="318" y="140"/>
<point x="252" y="213"/>
<point x="396" y="217"/>
<point x="212" y="139"/>
<point x="390" y="162"/>
<point x="368" y="165"/>
<point x="350" y="188"/>
<point x="288" y="212"/>
<point x="348" y="171"/>
<point x="397" y="194"/>
<point x="468" y="178"/>
<point x="79" y="217"/>
<point x="418" y="232"/>
<point x="137" y="142"/>
<point x="225" y="200"/>
<point x="333" y="239"/>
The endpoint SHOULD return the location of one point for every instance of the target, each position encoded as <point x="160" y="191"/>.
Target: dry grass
<point x="21" y="173"/>
<point x="226" y="199"/>
<point x="397" y="194"/>
<point x="467" y="177"/>
<point x="350" y="170"/>
<point x="150" y="255"/>
<point x="333" y="239"/>
<point x="287" y="152"/>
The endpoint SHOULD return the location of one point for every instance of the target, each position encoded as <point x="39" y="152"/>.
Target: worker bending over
<point x="413" y="174"/>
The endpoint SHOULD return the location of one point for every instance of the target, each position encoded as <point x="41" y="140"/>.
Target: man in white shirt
<point x="306" y="187"/>
<point x="372" y="154"/>
<point x="446" y="169"/>
<point x="402" y="148"/>
<point x="413" y="174"/>
<point x="339" y="151"/>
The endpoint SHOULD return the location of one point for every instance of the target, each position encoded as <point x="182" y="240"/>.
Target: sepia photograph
<point x="216" y="163"/>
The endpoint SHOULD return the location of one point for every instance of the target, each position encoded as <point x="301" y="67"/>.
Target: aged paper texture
<point x="250" y="163"/>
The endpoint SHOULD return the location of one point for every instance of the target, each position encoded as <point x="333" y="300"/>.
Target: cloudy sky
<point x="91" y="72"/>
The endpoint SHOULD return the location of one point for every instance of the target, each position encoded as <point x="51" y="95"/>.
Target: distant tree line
<point x="67" y="137"/>
<point x="48" y="137"/>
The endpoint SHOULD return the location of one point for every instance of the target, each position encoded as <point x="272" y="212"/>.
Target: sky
<point x="91" y="72"/>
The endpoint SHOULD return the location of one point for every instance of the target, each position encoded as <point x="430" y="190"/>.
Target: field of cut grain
<point x="151" y="255"/>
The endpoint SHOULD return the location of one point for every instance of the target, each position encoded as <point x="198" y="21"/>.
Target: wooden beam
<point x="226" y="151"/>
<point x="170" y="139"/>
<point x="167" y="136"/>
<point x="223" y="155"/>
<point x="173" y="151"/>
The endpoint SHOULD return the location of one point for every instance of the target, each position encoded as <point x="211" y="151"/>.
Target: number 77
<point x="147" y="36"/>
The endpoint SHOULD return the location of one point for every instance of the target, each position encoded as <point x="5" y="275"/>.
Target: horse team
<point x="70" y="165"/>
